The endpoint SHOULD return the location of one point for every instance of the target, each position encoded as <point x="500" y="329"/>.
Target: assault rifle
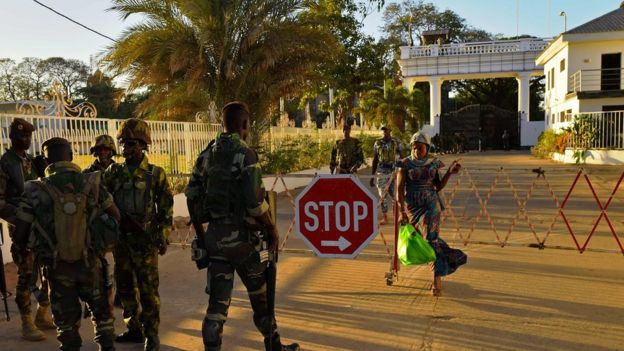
<point x="128" y="224"/>
<point x="271" y="270"/>
<point x="3" y="287"/>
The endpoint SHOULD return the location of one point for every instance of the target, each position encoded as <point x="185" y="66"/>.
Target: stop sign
<point x="336" y="215"/>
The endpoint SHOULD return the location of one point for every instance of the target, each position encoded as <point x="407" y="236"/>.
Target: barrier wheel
<point x="389" y="282"/>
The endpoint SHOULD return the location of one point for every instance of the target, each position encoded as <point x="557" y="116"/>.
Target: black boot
<point x="130" y="336"/>
<point x="152" y="343"/>
<point x="276" y="345"/>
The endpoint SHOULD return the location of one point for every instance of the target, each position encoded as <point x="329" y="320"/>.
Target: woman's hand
<point x="403" y="218"/>
<point x="455" y="167"/>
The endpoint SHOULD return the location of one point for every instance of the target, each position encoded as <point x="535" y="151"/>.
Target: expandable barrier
<point x="471" y="182"/>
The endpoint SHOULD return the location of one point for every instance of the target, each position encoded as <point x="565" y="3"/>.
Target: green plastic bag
<point x="412" y="248"/>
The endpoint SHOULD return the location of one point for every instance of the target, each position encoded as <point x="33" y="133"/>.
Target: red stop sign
<point x="336" y="215"/>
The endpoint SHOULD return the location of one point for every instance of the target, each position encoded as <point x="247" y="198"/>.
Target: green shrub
<point x="305" y="152"/>
<point x="546" y="144"/>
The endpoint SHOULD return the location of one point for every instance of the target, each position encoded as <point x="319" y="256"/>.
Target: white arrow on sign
<point x="341" y="243"/>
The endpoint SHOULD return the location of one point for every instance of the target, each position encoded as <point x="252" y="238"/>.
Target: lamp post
<point x="565" y="20"/>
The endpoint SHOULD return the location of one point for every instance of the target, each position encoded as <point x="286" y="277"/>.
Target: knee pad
<point x="212" y="332"/>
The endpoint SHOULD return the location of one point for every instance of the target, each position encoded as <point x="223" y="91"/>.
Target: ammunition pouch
<point x="199" y="253"/>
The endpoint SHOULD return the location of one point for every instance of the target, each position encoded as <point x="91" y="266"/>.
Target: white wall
<point x="555" y="98"/>
<point x="593" y="157"/>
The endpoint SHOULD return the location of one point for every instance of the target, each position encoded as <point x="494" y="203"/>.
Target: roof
<point x="609" y="22"/>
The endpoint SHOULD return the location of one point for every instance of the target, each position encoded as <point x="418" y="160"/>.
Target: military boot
<point x="43" y="319"/>
<point x="131" y="336"/>
<point x="152" y="343"/>
<point x="29" y="330"/>
<point x="276" y="345"/>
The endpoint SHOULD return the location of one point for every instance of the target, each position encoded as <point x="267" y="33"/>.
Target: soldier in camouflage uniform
<point x="235" y="208"/>
<point x="103" y="149"/>
<point x="143" y="195"/>
<point x="386" y="152"/>
<point x="347" y="155"/>
<point x="65" y="247"/>
<point x="16" y="167"/>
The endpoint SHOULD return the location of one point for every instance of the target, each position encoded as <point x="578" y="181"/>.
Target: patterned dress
<point x="423" y="203"/>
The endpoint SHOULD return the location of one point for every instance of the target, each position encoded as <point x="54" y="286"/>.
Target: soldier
<point x="103" y="149"/>
<point x="142" y="193"/>
<point x="60" y="208"/>
<point x="226" y="190"/>
<point x="347" y="155"/>
<point x="16" y="167"/>
<point x="386" y="152"/>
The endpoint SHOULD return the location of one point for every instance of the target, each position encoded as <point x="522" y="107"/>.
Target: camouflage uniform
<point x="232" y="245"/>
<point x="387" y="152"/>
<point x="96" y="167"/>
<point x="14" y="171"/>
<point x="136" y="254"/>
<point x="346" y="155"/>
<point x="70" y="282"/>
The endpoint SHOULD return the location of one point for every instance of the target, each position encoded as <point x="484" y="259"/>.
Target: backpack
<point x="223" y="197"/>
<point x="74" y="225"/>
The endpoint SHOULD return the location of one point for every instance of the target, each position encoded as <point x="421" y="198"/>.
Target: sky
<point x="29" y="30"/>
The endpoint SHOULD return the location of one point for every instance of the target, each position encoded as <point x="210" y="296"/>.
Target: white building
<point x="583" y="69"/>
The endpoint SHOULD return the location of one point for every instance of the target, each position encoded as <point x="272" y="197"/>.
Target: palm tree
<point x="395" y="105"/>
<point x="190" y="52"/>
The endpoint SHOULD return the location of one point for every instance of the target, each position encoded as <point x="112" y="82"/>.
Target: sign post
<point x="336" y="216"/>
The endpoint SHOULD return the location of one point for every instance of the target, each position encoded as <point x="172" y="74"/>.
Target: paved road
<point x="512" y="298"/>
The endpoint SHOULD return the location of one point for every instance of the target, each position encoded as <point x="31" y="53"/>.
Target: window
<point x="552" y="78"/>
<point x="561" y="116"/>
<point x="548" y="81"/>
<point x="568" y="115"/>
<point x="562" y="65"/>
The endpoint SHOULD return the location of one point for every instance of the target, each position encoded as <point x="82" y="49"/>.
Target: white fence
<point x="605" y="130"/>
<point x="175" y="145"/>
<point x="475" y="48"/>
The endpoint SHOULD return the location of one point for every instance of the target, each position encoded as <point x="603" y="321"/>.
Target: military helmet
<point x="420" y="137"/>
<point x="105" y="141"/>
<point x="20" y="125"/>
<point x="134" y="128"/>
<point x="55" y="141"/>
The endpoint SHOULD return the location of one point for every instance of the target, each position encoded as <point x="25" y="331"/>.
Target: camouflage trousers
<point x="136" y="279"/>
<point x="24" y="260"/>
<point x="70" y="283"/>
<point x="234" y="249"/>
<point x="383" y="178"/>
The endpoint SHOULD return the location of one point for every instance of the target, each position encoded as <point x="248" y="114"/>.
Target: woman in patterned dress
<point x="419" y="182"/>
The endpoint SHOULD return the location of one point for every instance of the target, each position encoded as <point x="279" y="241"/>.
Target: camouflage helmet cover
<point x="105" y="141"/>
<point x="134" y="128"/>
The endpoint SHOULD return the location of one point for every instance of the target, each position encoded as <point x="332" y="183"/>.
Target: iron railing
<point x="597" y="130"/>
<point x="175" y="145"/>
<point x="596" y="80"/>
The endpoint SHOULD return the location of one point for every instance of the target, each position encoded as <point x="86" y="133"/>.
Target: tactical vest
<point x="386" y="152"/>
<point x="345" y="152"/>
<point x="223" y="200"/>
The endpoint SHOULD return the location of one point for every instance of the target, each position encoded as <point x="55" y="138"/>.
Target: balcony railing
<point x="475" y="48"/>
<point x="596" y="80"/>
<point x="602" y="130"/>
